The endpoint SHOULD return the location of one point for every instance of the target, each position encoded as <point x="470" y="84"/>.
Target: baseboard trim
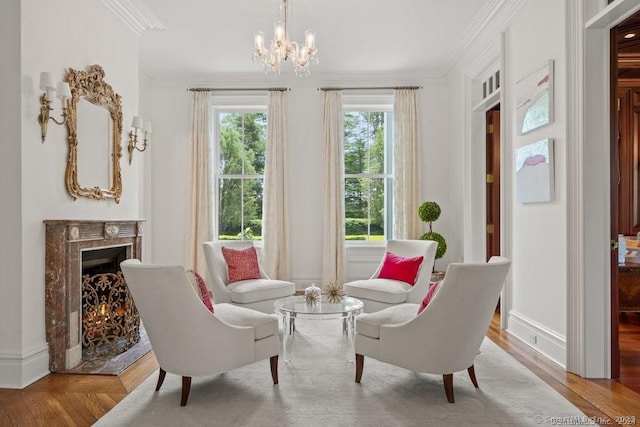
<point x="19" y="370"/>
<point x="542" y="339"/>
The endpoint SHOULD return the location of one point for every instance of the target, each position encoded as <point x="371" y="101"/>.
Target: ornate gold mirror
<point x="95" y="133"/>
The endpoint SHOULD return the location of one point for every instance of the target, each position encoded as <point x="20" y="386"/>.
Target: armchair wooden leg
<point x="448" y="386"/>
<point x="472" y="375"/>
<point x="359" y="367"/>
<point x="161" y="376"/>
<point x="186" y="387"/>
<point x="274" y="368"/>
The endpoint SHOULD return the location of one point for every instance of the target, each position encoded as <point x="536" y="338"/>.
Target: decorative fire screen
<point x="110" y="320"/>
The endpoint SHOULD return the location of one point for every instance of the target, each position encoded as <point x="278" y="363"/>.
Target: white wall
<point x="10" y="208"/>
<point x="534" y="235"/>
<point x="55" y="36"/>
<point x="168" y="105"/>
<point x="539" y="229"/>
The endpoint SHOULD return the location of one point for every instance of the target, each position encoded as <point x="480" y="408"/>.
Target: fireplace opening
<point x="110" y="320"/>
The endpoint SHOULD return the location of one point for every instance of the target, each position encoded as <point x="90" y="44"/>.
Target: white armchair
<point x="445" y="337"/>
<point x="257" y="294"/>
<point x="188" y="339"/>
<point x="377" y="294"/>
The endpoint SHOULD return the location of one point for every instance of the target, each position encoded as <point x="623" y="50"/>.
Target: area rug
<point x="317" y="388"/>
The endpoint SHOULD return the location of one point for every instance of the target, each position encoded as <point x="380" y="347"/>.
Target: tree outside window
<point x="240" y="174"/>
<point x="368" y="181"/>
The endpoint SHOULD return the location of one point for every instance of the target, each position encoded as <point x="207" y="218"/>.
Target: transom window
<point x="240" y="136"/>
<point x="368" y="184"/>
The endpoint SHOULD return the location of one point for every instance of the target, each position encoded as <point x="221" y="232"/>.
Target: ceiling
<point x="206" y="38"/>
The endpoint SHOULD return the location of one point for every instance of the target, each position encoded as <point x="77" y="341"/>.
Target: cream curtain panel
<point x="406" y="153"/>
<point x="275" y="232"/>
<point x="200" y="203"/>
<point x="333" y="247"/>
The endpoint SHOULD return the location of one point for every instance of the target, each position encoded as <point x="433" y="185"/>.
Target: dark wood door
<point x="493" y="182"/>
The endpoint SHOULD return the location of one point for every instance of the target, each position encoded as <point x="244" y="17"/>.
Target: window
<point x="368" y="184"/>
<point x="240" y="136"/>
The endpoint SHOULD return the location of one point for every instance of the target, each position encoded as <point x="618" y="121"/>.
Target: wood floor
<point x="629" y="339"/>
<point x="80" y="400"/>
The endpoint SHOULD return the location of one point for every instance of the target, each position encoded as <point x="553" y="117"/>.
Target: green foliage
<point x="372" y="238"/>
<point x="354" y="226"/>
<point x="227" y="237"/>
<point x="436" y="237"/>
<point x="256" y="226"/>
<point x="429" y="211"/>
<point x="246" y="234"/>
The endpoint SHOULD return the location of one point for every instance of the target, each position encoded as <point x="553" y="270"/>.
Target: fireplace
<point x="100" y="245"/>
<point x="110" y="320"/>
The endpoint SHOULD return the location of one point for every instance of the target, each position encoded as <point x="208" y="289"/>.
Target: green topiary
<point x="436" y="237"/>
<point x="429" y="212"/>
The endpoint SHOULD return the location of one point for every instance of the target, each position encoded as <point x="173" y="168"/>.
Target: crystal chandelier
<point x="281" y="48"/>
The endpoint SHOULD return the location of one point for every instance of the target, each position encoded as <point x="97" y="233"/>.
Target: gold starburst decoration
<point x="312" y="294"/>
<point x="311" y="299"/>
<point x="333" y="292"/>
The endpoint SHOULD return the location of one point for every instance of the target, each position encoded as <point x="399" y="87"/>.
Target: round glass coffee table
<point x="294" y="307"/>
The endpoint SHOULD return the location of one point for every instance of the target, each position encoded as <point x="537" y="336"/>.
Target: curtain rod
<point x="226" y="89"/>
<point x="324" y="89"/>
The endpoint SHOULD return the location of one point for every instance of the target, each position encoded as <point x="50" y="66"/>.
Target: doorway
<point x="492" y="201"/>
<point x="493" y="181"/>
<point x="625" y="201"/>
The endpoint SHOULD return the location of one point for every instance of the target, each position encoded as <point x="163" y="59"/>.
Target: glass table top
<point x="297" y="305"/>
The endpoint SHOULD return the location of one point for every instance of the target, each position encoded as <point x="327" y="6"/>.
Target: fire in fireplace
<point x="110" y="321"/>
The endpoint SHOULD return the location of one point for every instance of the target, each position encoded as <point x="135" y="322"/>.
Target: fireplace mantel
<point x="65" y="241"/>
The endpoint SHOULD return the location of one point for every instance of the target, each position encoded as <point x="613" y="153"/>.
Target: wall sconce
<point x="48" y="88"/>
<point x="145" y="126"/>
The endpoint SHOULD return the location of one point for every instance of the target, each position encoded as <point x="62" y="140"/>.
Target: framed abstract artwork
<point x="534" y="172"/>
<point x="534" y="100"/>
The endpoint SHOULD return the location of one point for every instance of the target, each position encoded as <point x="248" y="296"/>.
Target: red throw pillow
<point x="400" y="268"/>
<point x="427" y="298"/>
<point x="241" y="264"/>
<point x="204" y="291"/>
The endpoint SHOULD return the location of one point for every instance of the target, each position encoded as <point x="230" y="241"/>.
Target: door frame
<point x="474" y="187"/>
<point x="589" y="198"/>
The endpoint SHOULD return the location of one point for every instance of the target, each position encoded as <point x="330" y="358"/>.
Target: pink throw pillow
<point x="400" y="268"/>
<point x="202" y="287"/>
<point x="204" y="291"/>
<point x="427" y="298"/>
<point x="241" y="264"/>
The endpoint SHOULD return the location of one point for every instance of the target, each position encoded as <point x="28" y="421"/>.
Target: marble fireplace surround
<point x="65" y="241"/>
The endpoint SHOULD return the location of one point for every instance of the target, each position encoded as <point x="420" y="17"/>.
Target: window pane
<point x="377" y="209"/>
<point x="355" y="198"/>
<point x="364" y="208"/>
<point x="377" y="151"/>
<point x="255" y="137"/>
<point x="252" y="215"/>
<point x="229" y="208"/>
<point x="231" y="143"/>
<point x="356" y="137"/>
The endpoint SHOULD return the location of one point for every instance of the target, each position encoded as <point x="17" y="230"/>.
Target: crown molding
<point x="613" y="14"/>
<point x="135" y="14"/>
<point x="492" y="18"/>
